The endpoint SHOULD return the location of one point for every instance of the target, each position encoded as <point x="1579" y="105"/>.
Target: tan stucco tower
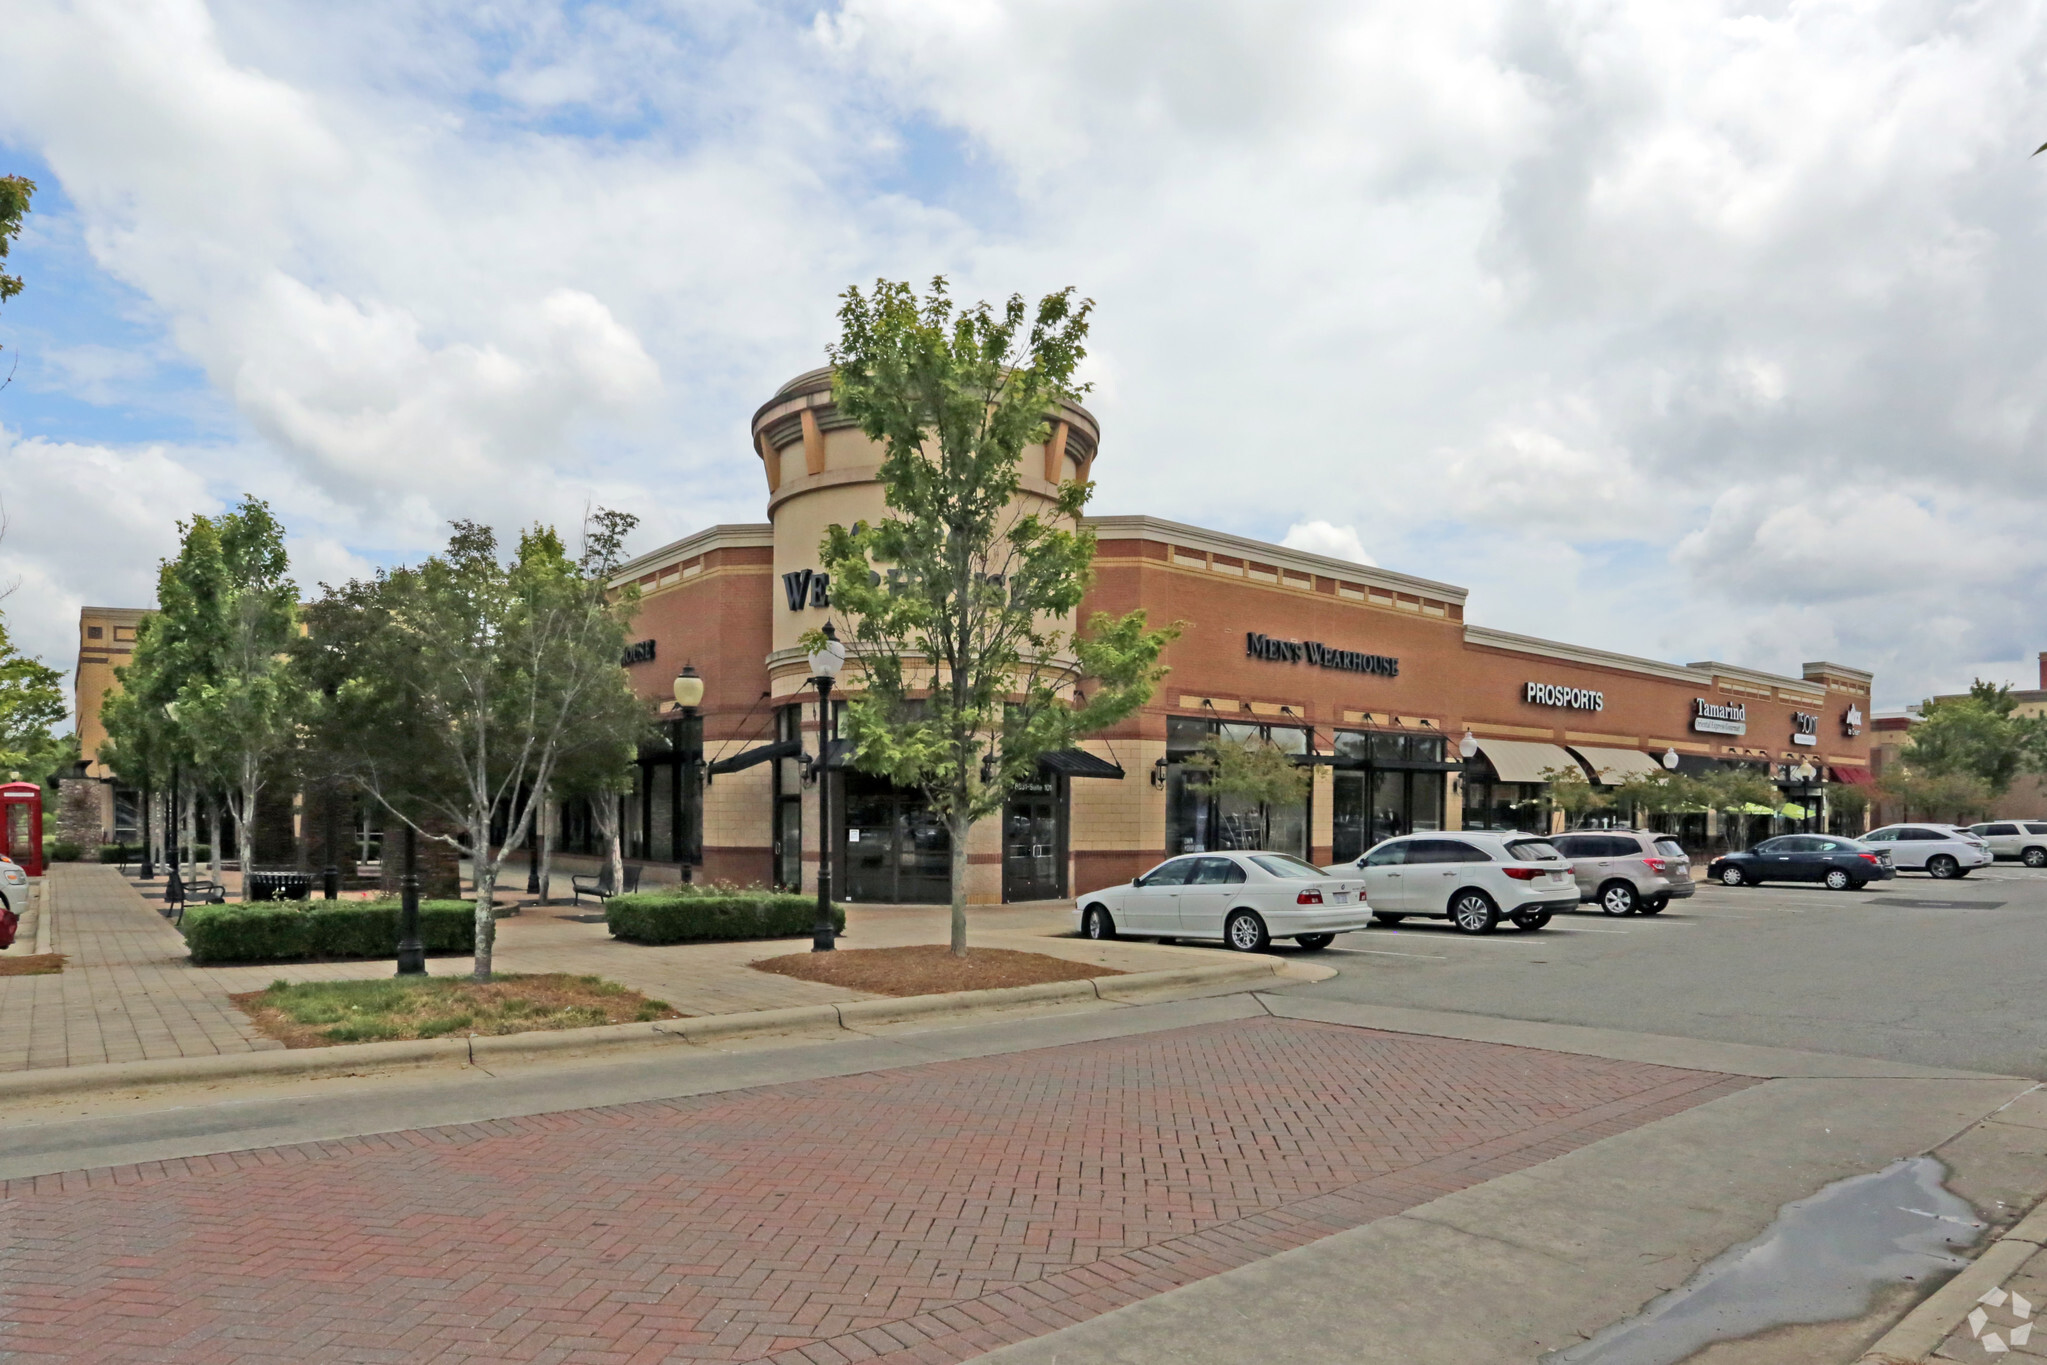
<point x="821" y="470"/>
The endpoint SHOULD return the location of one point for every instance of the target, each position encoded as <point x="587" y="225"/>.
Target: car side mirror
<point x="1138" y="880"/>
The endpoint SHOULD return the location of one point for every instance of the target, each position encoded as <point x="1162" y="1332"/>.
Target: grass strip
<point x="327" y="1013"/>
<point x="32" y="964"/>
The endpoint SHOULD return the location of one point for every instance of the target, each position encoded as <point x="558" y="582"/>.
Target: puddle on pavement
<point x="1823" y="1259"/>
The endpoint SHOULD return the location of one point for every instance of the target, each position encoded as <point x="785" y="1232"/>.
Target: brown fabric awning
<point x="1854" y="777"/>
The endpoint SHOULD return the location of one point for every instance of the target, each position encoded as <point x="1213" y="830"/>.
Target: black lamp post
<point x="330" y="834"/>
<point x="174" y="889"/>
<point x="148" y="834"/>
<point x="825" y="664"/>
<point x="689" y="694"/>
<point x="411" y="952"/>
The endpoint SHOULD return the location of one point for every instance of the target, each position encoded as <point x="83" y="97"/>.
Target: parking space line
<point x="1381" y="952"/>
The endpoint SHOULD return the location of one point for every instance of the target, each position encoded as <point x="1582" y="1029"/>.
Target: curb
<point x="610" y="1038"/>
<point x="1920" y="1332"/>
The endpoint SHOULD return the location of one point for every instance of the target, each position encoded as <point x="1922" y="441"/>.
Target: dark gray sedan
<point x="1837" y="863"/>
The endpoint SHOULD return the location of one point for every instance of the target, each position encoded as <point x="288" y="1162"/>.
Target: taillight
<point x="1523" y="874"/>
<point x="1867" y="857"/>
<point x="1308" y="898"/>
<point x="1656" y="865"/>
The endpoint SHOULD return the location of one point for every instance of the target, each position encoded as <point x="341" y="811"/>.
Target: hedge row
<point x="693" y="917"/>
<point x="271" y="931"/>
<point x="129" y="853"/>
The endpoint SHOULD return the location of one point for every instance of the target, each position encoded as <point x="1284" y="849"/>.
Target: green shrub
<point x="271" y="931"/>
<point x="62" y="851"/>
<point x="669" y="916"/>
<point x="120" y="853"/>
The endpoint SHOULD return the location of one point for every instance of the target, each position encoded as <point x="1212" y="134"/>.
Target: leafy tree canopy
<point x="1979" y="735"/>
<point x="959" y="600"/>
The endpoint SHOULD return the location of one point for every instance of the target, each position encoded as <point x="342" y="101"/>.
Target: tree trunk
<point x="485" y="879"/>
<point x="546" y="849"/>
<point x="959" y="825"/>
<point x="213" y="830"/>
<point x="187" y="821"/>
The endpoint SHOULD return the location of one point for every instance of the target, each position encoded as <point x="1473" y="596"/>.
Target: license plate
<point x="1340" y="897"/>
<point x="1559" y="876"/>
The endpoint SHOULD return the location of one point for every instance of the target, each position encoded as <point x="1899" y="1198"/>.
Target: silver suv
<point x="1627" y="870"/>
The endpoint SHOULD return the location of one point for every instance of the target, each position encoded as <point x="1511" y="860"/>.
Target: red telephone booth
<point x="21" y="825"/>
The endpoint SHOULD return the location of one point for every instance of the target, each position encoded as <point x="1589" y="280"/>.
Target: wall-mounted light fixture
<point x="1158" y="773"/>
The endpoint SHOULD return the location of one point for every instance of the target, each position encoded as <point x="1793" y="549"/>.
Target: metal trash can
<point x="277" y="886"/>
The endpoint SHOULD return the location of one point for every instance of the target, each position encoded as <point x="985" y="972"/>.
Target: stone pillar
<point x="79" y="815"/>
<point x="440" y="869"/>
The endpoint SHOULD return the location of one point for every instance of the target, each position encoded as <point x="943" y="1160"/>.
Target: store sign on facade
<point x="1319" y="655"/>
<point x="1805" y="728"/>
<point x="1719" y="718"/>
<point x="638" y="652"/>
<point x="1572" y="698"/>
<point x="1851" y="721"/>
<point x="807" y="588"/>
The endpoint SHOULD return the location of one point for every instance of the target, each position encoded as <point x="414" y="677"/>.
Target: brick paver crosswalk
<point x="924" y="1214"/>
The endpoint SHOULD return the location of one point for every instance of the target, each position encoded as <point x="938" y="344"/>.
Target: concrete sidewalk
<point x="128" y="992"/>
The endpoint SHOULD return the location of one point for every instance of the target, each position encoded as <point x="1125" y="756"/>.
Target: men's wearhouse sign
<point x="1318" y="654"/>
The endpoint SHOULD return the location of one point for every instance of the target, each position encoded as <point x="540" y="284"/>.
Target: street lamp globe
<point x="1468" y="746"/>
<point x="827" y="661"/>
<point x="1670" y="760"/>
<point x="689" y="688"/>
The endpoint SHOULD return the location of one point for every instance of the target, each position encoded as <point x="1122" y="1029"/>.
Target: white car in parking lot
<point x="1474" y="879"/>
<point x="1938" y="850"/>
<point x="1244" y="899"/>
<point x="2025" y="840"/>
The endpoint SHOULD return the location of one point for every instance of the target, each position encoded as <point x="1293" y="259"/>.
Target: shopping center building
<point x="1407" y="715"/>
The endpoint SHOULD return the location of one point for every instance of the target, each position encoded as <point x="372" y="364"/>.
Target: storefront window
<point x="1381" y="791"/>
<point x="1198" y="822"/>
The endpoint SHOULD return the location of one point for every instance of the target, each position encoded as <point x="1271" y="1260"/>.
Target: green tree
<point x="1978" y="735"/>
<point x="31" y="709"/>
<point x="958" y="599"/>
<point x="455" y="688"/>
<point x="15" y="193"/>
<point x="1573" y="793"/>
<point x="1851" y="800"/>
<point x="227" y="618"/>
<point x="1737" y="793"/>
<point x="1925" y="795"/>
<point x="1253" y="770"/>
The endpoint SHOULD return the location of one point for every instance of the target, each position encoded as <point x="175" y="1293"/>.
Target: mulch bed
<point x="329" y="1013"/>
<point x="930" y="969"/>
<point x="33" y="964"/>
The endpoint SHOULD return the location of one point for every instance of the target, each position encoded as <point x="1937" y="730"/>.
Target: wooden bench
<point x="599" y="886"/>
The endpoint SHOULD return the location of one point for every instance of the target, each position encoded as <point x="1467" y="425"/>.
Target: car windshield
<point x="1286" y="865"/>
<point x="1533" y="851"/>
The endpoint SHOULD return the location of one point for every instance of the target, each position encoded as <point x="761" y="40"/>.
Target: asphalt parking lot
<point x="1941" y="973"/>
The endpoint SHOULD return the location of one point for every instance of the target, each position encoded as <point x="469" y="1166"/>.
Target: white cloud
<point x="1719" y="317"/>
<point x="1321" y="538"/>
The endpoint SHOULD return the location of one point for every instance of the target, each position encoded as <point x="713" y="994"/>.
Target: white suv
<point x="1941" y="851"/>
<point x="1473" y="879"/>
<point x="2025" y="840"/>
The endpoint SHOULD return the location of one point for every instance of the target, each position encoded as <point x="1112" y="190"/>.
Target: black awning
<point x="839" y="754"/>
<point x="781" y="748"/>
<point x="1078" y="763"/>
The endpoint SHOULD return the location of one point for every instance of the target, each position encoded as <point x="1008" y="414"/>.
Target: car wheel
<point x="1619" y="898"/>
<point x="1314" y="943"/>
<point x="1838" y="879"/>
<point x="1942" y="866"/>
<point x="1474" y="912"/>
<point x="1388" y="920"/>
<point x="1097" y="924"/>
<point x="1530" y="920"/>
<point x="2034" y="857"/>
<point x="1245" y="932"/>
<point x="1731" y="876"/>
<point x="1655" y="905"/>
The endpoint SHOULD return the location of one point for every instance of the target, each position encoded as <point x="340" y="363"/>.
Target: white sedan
<point x="1244" y="899"/>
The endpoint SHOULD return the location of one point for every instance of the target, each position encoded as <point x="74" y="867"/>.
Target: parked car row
<point x="1477" y="880"/>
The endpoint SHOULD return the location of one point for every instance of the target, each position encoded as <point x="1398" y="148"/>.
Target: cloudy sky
<point x="1688" y="328"/>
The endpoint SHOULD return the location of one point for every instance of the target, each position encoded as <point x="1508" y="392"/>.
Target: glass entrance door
<point x="894" y="849"/>
<point x="1033" y="851"/>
